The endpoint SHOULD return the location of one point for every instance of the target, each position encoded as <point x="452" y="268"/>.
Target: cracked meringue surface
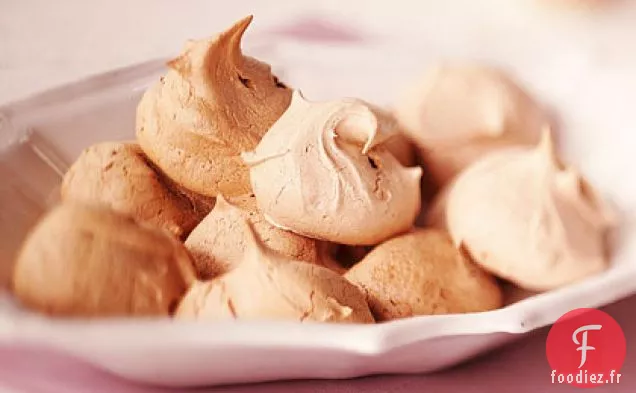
<point x="322" y="171"/>
<point x="87" y="261"/>
<point x="459" y="112"/>
<point x="268" y="286"/>
<point x="118" y="175"/>
<point x="213" y="104"/>
<point x="219" y="242"/>
<point x="422" y="273"/>
<point x="526" y="217"/>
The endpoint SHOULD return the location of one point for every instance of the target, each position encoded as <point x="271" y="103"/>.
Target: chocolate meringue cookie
<point x="219" y="242"/>
<point x="321" y="171"/>
<point x="458" y="113"/>
<point x="422" y="273"/>
<point x="213" y="104"/>
<point x="86" y="261"/>
<point x="267" y="285"/>
<point x="119" y="176"/>
<point x="526" y="217"/>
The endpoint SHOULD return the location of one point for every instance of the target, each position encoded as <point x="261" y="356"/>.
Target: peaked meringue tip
<point x="247" y="20"/>
<point x="255" y="250"/>
<point x="573" y="182"/>
<point x="231" y="38"/>
<point x="371" y="123"/>
<point x="236" y="31"/>
<point x="415" y="173"/>
<point x="298" y="97"/>
<point x="342" y="311"/>
<point x="612" y="216"/>
<point x="546" y="147"/>
<point x="346" y="311"/>
<point x="571" y="179"/>
<point x="359" y="124"/>
<point x="222" y="203"/>
<point x="386" y="124"/>
<point x="189" y="44"/>
<point x="458" y="242"/>
<point x="181" y="63"/>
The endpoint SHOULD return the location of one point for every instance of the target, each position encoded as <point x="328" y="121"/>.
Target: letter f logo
<point x="583" y="344"/>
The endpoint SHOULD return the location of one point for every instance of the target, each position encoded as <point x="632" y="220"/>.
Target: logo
<point x="586" y="348"/>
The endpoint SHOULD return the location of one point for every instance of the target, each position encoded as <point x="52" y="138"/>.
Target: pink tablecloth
<point x="521" y="368"/>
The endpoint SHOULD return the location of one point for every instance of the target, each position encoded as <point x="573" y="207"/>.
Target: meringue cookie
<point x="119" y="176"/>
<point x="85" y="261"/>
<point x="321" y="171"/>
<point x="267" y="285"/>
<point x="458" y="113"/>
<point x="218" y="243"/>
<point x="422" y="273"/>
<point x="402" y="149"/>
<point x="527" y="218"/>
<point x="212" y="105"/>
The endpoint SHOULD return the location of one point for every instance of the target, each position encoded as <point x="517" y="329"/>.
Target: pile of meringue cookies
<point x="242" y="199"/>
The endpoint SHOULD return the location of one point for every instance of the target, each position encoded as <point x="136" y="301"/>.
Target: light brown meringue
<point x="267" y="285"/>
<point x="527" y="218"/>
<point x="212" y="105"/>
<point x="85" y="261"/>
<point x="402" y="149"/>
<point x="322" y="171"/>
<point x="422" y="273"/>
<point x="119" y="176"/>
<point x="458" y="113"/>
<point x="219" y="242"/>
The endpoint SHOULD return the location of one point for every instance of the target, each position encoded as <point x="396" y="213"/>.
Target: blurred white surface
<point x="46" y="43"/>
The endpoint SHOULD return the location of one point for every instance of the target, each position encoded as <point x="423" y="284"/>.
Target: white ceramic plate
<point x="586" y="76"/>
